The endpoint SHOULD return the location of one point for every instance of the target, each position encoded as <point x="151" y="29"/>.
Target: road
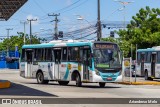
<point x="28" y="88"/>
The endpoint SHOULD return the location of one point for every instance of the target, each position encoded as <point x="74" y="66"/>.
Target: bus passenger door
<point x="142" y="64"/>
<point x="57" y="58"/>
<point x="153" y="65"/>
<point x="86" y="56"/>
<point x="29" y="59"/>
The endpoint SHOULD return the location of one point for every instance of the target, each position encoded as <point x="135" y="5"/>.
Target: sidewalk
<point x="140" y="81"/>
<point x="6" y="83"/>
<point x="6" y="70"/>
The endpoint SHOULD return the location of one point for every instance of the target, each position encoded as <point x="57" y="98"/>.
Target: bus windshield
<point x="107" y="58"/>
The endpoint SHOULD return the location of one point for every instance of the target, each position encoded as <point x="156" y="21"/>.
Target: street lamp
<point x="81" y="19"/>
<point x="124" y="6"/>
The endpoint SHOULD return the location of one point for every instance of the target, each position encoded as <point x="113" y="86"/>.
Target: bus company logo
<point x="6" y="101"/>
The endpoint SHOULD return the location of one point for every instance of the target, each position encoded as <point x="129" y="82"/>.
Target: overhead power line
<point x="68" y="6"/>
<point x="75" y="7"/>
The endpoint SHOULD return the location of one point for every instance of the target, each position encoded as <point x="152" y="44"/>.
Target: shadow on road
<point x="21" y="90"/>
<point x="83" y="85"/>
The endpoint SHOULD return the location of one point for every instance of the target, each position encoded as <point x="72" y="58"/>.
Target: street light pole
<point x="80" y="18"/>
<point x="24" y="38"/>
<point x="30" y="21"/>
<point x="8" y="38"/>
<point x="99" y="32"/>
<point x="124" y="8"/>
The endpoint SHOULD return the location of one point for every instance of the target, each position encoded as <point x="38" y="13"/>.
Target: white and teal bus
<point x="148" y="63"/>
<point x="64" y="61"/>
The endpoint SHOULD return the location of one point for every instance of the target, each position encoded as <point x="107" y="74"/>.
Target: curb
<point x="5" y="84"/>
<point x="140" y="83"/>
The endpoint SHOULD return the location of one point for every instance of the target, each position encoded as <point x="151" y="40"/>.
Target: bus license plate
<point x="109" y="79"/>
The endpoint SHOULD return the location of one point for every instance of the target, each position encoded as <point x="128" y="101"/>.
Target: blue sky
<point x="39" y="9"/>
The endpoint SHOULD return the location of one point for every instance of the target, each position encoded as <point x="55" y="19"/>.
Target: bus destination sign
<point x="105" y="46"/>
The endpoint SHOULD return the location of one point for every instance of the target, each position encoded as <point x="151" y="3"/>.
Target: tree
<point x="144" y="30"/>
<point x="17" y="41"/>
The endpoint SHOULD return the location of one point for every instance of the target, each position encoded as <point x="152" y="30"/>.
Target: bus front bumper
<point x="98" y="78"/>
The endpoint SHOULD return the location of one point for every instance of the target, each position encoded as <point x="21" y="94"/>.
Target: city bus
<point x="148" y="63"/>
<point x="72" y="60"/>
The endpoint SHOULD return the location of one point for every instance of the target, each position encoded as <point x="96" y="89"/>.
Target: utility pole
<point x="8" y="29"/>
<point x="99" y="31"/>
<point x="30" y="21"/>
<point x="24" y="23"/>
<point x="56" y="25"/>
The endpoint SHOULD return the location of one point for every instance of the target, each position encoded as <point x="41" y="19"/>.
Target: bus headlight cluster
<point x="97" y="72"/>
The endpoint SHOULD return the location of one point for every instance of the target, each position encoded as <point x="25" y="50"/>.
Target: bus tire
<point x="63" y="82"/>
<point x="40" y="78"/>
<point x="146" y="76"/>
<point x="102" y="84"/>
<point x="78" y="80"/>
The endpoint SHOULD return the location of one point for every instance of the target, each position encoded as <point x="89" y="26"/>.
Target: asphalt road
<point x="28" y="88"/>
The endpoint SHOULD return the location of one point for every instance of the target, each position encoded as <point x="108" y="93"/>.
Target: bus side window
<point x="35" y="55"/>
<point x="57" y="56"/>
<point x="48" y="54"/>
<point x="64" y="54"/>
<point x="39" y="54"/>
<point x="23" y="55"/>
<point x="29" y="56"/>
<point x="138" y="58"/>
<point x="158" y="57"/>
<point x="73" y="54"/>
<point x="69" y="53"/>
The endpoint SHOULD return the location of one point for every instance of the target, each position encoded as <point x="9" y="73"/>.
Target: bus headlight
<point x="97" y="72"/>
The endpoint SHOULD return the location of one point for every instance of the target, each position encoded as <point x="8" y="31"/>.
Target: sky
<point x="69" y="11"/>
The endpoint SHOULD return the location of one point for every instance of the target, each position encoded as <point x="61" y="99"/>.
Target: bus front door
<point x="57" y="58"/>
<point x="29" y="57"/>
<point x="142" y="64"/>
<point x="86" y="55"/>
<point x="153" y="63"/>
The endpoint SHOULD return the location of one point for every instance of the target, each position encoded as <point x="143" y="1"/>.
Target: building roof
<point x="9" y="7"/>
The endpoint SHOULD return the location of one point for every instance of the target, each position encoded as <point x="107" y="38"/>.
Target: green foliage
<point x="143" y="30"/>
<point x="17" y="41"/>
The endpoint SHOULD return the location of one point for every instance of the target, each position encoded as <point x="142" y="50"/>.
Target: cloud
<point x="33" y="17"/>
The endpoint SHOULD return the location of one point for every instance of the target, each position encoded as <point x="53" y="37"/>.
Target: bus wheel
<point x="78" y="81"/>
<point x="40" y="78"/>
<point x="63" y="82"/>
<point x="146" y="76"/>
<point x="102" y="84"/>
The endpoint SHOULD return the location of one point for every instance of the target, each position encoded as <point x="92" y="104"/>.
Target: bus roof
<point x="59" y="43"/>
<point x="156" y="48"/>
